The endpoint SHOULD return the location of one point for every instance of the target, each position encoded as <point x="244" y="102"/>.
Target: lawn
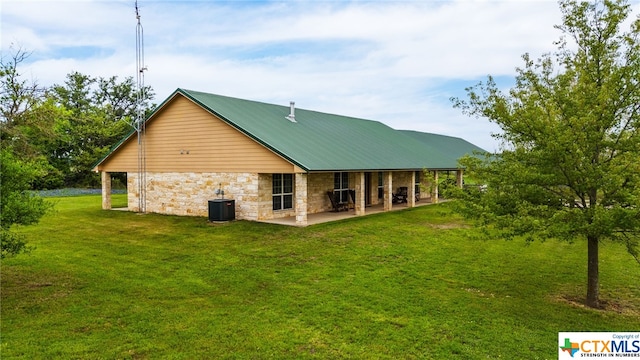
<point x="408" y="284"/>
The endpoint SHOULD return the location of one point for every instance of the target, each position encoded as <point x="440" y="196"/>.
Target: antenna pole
<point x="140" y="124"/>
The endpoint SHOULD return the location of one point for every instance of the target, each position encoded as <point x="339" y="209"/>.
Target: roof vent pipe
<point x="292" y="112"/>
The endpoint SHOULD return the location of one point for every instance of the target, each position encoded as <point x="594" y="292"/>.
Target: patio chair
<point x="335" y="202"/>
<point x="401" y="195"/>
<point x="352" y="199"/>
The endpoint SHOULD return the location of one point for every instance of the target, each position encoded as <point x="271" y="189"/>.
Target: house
<point x="273" y="161"/>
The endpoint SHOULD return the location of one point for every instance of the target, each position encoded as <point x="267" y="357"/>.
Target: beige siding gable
<point x="183" y="137"/>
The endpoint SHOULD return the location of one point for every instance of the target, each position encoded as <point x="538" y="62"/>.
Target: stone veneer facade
<point x="188" y="193"/>
<point x="177" y="193"/>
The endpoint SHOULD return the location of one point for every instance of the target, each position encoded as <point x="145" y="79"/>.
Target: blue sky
<point x="397" y="62"/>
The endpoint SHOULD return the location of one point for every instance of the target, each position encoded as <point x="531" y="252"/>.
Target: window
<point x="282" y="191"/>
<point x="380" y="186"/>
<point x="417" y="186"/>
<point x="341" y="186"/>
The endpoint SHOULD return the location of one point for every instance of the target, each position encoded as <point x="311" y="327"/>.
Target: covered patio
<point x="329" y="216"/>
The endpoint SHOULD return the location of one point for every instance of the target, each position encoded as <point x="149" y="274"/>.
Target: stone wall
<point x="188" y="193"/>
<point x="317" y="186"/>
<point x="265" y="201"/>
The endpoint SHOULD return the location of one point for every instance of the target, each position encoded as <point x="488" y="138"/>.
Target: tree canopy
<point x="568" y="167"/>
<point x="100" y="111"/>
<point x="50" y="137"/>
<point x="66" y="128"/>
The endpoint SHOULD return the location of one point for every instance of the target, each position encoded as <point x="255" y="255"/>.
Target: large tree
<point x="65" y="129"/>
<point x="27" y="119"/>
<point x="100" y="113"/>
<point x="18" y="97"/>
<point x="569" y="166"/>
<point x="21" y="164"/>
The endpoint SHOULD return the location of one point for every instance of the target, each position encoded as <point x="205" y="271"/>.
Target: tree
<point x="17" y="205"/>
<point x="20" y="163"/>
<point x="100" y="113"/>
<point x="65" y="129"/>
<point x="27" y="120"/>
<point x="17" y="96"/>
<point x="568" y="167"/>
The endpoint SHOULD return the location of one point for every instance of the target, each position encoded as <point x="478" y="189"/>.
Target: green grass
<point x="407" y="284"/>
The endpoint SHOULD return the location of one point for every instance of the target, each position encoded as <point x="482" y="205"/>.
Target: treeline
<point x="62" y="130"/>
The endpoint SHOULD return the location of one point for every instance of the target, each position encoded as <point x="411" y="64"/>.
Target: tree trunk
<point x="593" y="278"/>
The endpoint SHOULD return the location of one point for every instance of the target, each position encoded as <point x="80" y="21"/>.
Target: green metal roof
<point x="326" y="142"/>
<point x="452" y="147"/>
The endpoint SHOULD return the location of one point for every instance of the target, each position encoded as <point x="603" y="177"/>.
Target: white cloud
<point x="383" y="60"/>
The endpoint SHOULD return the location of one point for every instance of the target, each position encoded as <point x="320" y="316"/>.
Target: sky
<point x="398" y="62"/>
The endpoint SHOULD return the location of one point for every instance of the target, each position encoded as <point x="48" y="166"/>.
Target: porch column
<point x="373" y="185"/>
<point x="411" y="191"/>
<point x="359" y="188"/>
<point x="301" y="198"/>
<point x="459" y="177"/>
<point x="106" y="190"/>
<point x="434" y="192"/>
<point x="387" y="183"/>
